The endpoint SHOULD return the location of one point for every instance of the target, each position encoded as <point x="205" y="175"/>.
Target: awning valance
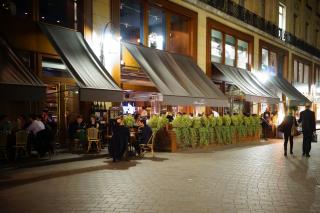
<point x="17" y="82"/>
<point x="95" y="83"/>
<point x="177" y="77"/>
<point x="295" y="97"/>
<point x="253" y="89"/>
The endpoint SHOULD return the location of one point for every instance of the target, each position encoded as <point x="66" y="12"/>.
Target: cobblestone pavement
<point x="243" y="179"/>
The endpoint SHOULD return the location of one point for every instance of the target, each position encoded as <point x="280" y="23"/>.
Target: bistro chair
<point x="79" y="141"/>
<point x="149" y="146"/>
<point x="3" y="145"/>
<point x="93" y="137"/>
<point x="21" y="142"/>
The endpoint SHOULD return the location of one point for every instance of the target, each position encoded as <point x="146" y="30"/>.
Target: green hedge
<point x="205" y="130"/>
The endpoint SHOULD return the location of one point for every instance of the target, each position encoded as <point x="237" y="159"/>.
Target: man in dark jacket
<point x="307" y="118"/>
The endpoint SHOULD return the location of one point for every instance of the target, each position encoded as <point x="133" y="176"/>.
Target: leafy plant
<point x="212" y="121"/>
<point x="219" y="121"/>
<point x="162" y="122"/>
<point x="128" y="121"/>
<point x="226" y="120"/>
<point x="153" y="122"/>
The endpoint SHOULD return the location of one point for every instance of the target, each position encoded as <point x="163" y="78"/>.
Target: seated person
<point x="120" y="139"/>
<point x="144" y="134"/>
<point x="77" y="130"/>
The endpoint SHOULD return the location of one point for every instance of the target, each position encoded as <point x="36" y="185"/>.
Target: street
<point x="242" y="179"/>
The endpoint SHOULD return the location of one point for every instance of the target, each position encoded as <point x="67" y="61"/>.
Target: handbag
<point x="294" y="130"/>
<point x="314" y="138"/>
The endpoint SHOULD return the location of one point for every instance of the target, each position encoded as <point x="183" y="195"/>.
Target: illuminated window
<point x="243" y="56"/>
<point x="157" y="28"/>
<point x="282" y="18"/>
<point x="265" y="60"/>
<point x="230" y="50"/>
<point x="216" y="46"/>
<point x="300" y="73"/>
<point x="295" y="71"/>
<point x="306" y="74"/>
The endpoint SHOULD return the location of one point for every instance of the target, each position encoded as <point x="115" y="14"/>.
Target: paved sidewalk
<point x="241" y="179"/>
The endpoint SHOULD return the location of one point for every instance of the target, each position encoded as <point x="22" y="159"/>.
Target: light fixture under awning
<point x="179" y="80"/>
<point x="253" y="89"/>
<point x="94" y="81"/>
<point x="17" y="82"/>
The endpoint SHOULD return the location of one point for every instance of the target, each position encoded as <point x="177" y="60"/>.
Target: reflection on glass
<point x="295" y="71"/>
<point x="306" y="74"/>
<point x="179" y="41"/>
<point x="300" y="77"/>
<point x="131" y="19"/>
<point x="21" y="8"/>
<point x="273" y="63"/>
<point x="157" y="26"/>
<point x="216" y="46"/>
<point x="59" y="12"/>
<point x="265" y="60"/>
<point x="242" y="54"/>
<point x="230" y="54"/>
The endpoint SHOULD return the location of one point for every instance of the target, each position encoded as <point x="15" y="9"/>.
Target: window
<point x="301" y="71"/>
<point x="241" y="2"/>
<point x="179" y="41"/>
<point x="230" y="53"/>
<point x="157" y="28"/>
<point x="306" y="30"/>
<point x="59" y="12"/>
<point x="295" y="19"/>
<point x="317" y="75"/>
<point x="131" y="20"/>
<point x="216" y="46"/>
<point x="21" y="8"/>
<point x="265" y="60"/>
<point x="306" y="74"/>
<point x="262" y="8"/>
<point x="282" y="18"/>
<point x="273" y="63"/>
<point x="146" y="23"/>
<point x="295" y="71"/>
<point x="243" y="54"/>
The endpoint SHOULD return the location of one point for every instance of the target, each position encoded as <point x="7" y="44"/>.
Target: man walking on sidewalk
<point x="307" y="118"/>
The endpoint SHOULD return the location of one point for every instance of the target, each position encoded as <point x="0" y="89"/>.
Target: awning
<point x="177" y="77"/>
<point x="282" y="85"/>
<point x="17" y="82"/>
<point x="95" y="83"/>
<point x="253" y="89"/>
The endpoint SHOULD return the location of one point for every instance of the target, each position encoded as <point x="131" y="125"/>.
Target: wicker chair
<point x="93" y="137"/>
<point x="21" y="142"/>
<point x="149" y="146"/>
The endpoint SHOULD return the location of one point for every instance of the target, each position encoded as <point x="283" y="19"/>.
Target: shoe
<point x="285" y="154"/>
<point x="303" y="154"/>
<point x="308" y="156"/>
<point x="291" y="153"/>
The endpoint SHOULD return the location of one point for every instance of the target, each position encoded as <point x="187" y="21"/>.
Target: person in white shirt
<point x="36" y="125"/>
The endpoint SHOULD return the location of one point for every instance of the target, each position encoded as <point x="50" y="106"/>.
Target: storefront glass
<point x="157" y="28"/>
<point x="131" y="19"/>
<point x="242" y="54"/>
<point x="21" y="8"/>
<point x="300" y="73"/>
<point x="295" y="71"/>
<point x="265" y="60"/>
<point x="273" y="63"/>
<point x="59" y="12"/>
<point x="306" y="74"/>
<point x="179" y="41"/>
<point x="230" y="50"/>
<point x="216" y="46"/>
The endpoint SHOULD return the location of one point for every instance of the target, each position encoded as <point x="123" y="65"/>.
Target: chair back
<point x="3" y="139"/>
<point x="93" y="133"/>
<point x="21" y="138"/>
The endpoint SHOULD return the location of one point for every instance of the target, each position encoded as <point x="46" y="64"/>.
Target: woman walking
<point x="288" y="127"/>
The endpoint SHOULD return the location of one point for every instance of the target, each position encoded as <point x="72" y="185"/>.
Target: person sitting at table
<point x="120" y="139"/>
<point x="77" y="130"/>
<point x="93" y="122"/>
<point x="144" y="134"/>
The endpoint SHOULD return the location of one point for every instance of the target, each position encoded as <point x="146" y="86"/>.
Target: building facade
<point x="277" y="37"/>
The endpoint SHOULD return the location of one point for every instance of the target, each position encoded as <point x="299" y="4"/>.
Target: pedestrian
<point x="308" y="121"/>
<point x="289" y="129"/>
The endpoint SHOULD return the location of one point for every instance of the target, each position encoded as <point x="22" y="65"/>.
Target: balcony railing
<point x="241" y="13"/>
